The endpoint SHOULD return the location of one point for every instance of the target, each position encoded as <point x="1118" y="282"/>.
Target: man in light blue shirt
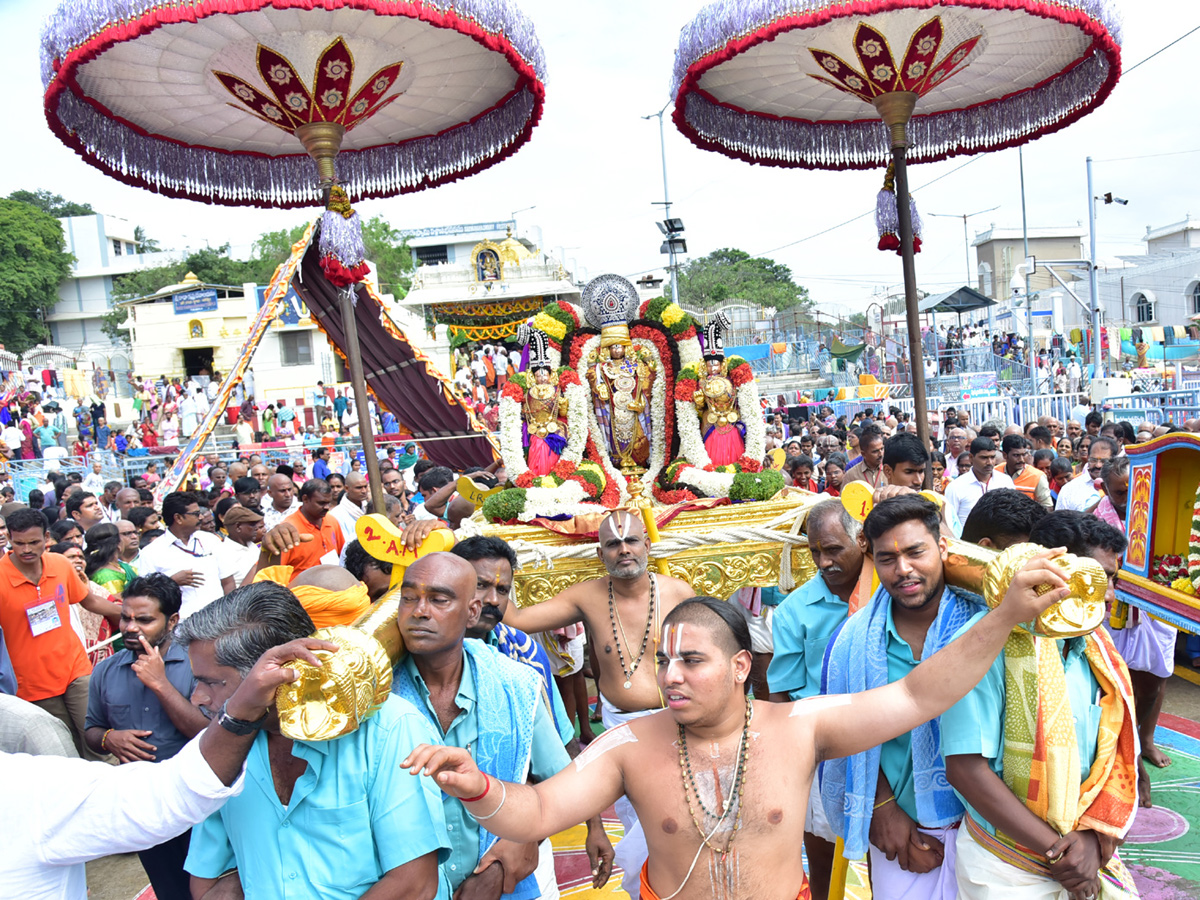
<point x="1048" y="859"/>
<point x="893" y="800"/>
<point x="478" y="699"/>
<point x="331" y="819"/>
<point x="802" y="628"/>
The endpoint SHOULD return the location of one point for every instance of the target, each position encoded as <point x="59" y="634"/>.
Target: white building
<point x="104" y="248"/>
<point x="1159" y="289"/>
<point x="478" y="280"/>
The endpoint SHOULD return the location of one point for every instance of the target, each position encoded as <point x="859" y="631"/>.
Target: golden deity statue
<point x="544" y="410"/>
<point x="715" y="400"/>
<point x="621" y="376"/>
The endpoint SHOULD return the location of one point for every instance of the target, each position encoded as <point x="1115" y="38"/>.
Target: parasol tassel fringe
<point x="887" y="216"/>
<point x="343" y="253"/>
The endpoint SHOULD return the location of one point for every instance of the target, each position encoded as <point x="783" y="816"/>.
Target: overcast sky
<point x="593" y="167"/>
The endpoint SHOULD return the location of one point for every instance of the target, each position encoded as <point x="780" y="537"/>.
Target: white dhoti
<point x="630" y="853"/>
<point x="546" y="878"/>
<point x="890" y="881"/>
<point x="981" y="875"/>
<point x="816" y="822"/>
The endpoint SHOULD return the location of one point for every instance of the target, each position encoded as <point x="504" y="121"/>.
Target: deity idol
<point x="620" y="374"/>
<point x="544" y="409"/>
<point x="716" y="400"/>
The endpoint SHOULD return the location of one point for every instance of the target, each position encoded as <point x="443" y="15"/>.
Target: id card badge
<point x="330" y="558"/>
<point x="43" y="617"/>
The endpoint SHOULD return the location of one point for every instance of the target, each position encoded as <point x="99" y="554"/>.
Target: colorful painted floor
<point x="1162" y="850"/>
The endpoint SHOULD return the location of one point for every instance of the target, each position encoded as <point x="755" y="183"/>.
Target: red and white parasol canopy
<point x="790" y="82"/>
<point x="202" y="98"/>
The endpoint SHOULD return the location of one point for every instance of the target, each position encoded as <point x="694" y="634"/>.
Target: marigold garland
<point x="1194" y="544"/>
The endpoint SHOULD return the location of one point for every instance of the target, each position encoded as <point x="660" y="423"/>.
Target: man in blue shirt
<point x="476" y="698"/>
<point x="803" y="626"/>
<point x="333" y="819"/>
<point x="321" y="463"/>
<point x="1003" y="841"/>
<point x="138" y="707"/>
<point x="893" y="800"/>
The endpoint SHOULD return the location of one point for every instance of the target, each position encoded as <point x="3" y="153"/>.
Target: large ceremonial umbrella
<point x="229" y="101"/>
<point x="804" y="83"/>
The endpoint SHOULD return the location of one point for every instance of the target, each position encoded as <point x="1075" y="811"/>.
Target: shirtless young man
<point x="624" y="612"/>
<point x="740" y="770"/>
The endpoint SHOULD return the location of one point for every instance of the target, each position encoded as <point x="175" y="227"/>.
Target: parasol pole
<point x="323" y="140"/>
<point x="896" y="109"/>
<point x="362" y="406"/>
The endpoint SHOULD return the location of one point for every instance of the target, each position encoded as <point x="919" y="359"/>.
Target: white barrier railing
<point x="1058" y="406"/>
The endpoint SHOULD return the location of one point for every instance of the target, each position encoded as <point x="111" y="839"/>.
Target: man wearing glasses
<point x="189" y="556"/>
<point x="393" y="483"/>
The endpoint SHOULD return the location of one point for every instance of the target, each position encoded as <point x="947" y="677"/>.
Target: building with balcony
<point x="104" y="248"/>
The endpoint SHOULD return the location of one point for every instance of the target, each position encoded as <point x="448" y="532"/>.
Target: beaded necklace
<point x="735" y="791"/>
<point x="614" y="619"/>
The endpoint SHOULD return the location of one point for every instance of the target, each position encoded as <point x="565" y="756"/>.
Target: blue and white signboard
<point x="191" y="302"/>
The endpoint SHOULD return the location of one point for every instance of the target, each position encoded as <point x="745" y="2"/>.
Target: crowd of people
<point x="130" y="626"/>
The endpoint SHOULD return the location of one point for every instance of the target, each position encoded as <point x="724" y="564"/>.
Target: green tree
<point x="52" y="204"/>
<point x="145" y="244"/>
<point x="859" y="319"/>
<point x="729" y="274"/>
<point x="33" y="262"/>
<point x="388" y="249"/>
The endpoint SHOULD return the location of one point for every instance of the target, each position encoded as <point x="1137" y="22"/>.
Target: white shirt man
<point x="350" y="508"/>
<point x="183" y="548"/>
<point x="964" y="491"/>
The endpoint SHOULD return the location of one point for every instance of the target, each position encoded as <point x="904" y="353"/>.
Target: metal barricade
<point x="27" y="474"/>
<point x="1059" y="406"/>
<point x="982" y="409"/>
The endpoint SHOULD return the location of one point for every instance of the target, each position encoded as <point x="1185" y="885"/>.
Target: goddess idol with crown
<point x="619" y="373"/>
<point x="715" y="399"/>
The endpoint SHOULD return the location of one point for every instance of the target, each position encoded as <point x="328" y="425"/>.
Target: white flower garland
<point x="691" y="442"/>
<point x="510" y="437"/>
<point x="689" y="350"/>
<point x="713" y="484"/>
<point x="577" y="423"/>
<point x="756" y="426"/>
<point x="563" y="500"/>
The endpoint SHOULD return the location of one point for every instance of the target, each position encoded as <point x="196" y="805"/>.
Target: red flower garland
<point x="746" y="464"/>
<point x="513" y="391"/>
<point x="524" y="480"/>
<point x="742" y="374"/>
<point x="685" y="389"/>
<point x="680" y="495"/>
<point x="568" y="378"/>
<point x="563" y="469"/>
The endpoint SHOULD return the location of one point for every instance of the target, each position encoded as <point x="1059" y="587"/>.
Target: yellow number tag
<point x="385" y="542"/>
<point x="472" y="492"/>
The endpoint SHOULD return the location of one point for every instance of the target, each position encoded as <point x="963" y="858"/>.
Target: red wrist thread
<point x="487" y="786"/>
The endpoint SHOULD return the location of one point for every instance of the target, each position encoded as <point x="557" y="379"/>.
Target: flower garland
<point x="1194" y="544"/>
<point x="511" y="444"/>
<point x="679" y="324"/>
<point x="577" y="422"/>
<point x="747" y="398"/>
<point x="557" y="319"/>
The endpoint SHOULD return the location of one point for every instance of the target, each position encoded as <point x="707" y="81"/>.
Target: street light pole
<point x="666" y="200"/>
<point x="1030" y="355"/>
<point x="1097" y="356"/>
<point x="967" y="250"/>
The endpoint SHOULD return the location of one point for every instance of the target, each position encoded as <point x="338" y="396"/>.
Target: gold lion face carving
<point x="1079" y="613"/>
<point x="333" y="699"/>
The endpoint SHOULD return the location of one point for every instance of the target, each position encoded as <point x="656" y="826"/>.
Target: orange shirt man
<point x="325" y="548"/>
<point x="36" y="593"/>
